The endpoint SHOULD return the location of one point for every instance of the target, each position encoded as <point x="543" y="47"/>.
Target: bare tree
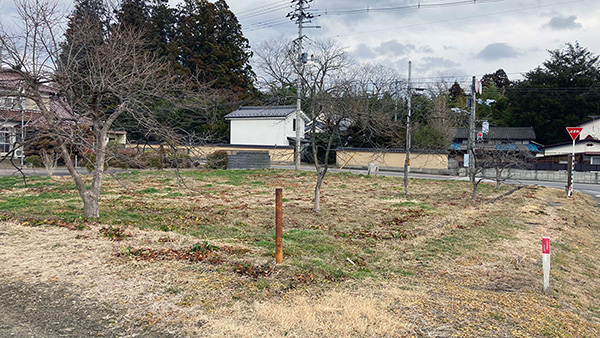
<point x="95" y="83"/>
<point x="274" y="65"/>
<point x="495" y="162"/>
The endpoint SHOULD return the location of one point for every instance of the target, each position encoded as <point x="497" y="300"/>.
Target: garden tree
<point x="134" y="14"/>
<point x="320" y="81"/>
<point x="494" y="105"/>
<point x="380" y="93"/>
<point x="95" y="17"/>
<point x="274" y="62"/>
<point x="211" y="46"/>
<point x="502" y="158"/>
<point x="100" y="79"/>
<point x="498" y="78"/>
<point x="346" y="105"/>
<point x="457" y="95"/>
<point x="437" y="131"/>
<point x="155" y="19"/>
<point x="562" y="92"/>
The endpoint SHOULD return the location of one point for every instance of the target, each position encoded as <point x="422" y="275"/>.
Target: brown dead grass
<point x="445" y="266"/>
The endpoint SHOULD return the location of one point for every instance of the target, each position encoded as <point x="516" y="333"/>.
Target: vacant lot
<point x="192" y="254"/>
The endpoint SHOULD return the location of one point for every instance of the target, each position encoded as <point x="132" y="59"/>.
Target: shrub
<point x="34" y="161"/>
<point x="217" y="160"/>
<point x="154" y="161"/>
<point x="174" y="159"/>
<point x="127" y="158"/>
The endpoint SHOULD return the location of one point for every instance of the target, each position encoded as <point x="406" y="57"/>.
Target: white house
<point x="591" y="129"/>
<point x="587" y="146"/>
<point x="265" y="126"/>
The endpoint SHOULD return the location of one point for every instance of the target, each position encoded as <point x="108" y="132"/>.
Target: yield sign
<point x="574" y="132"/>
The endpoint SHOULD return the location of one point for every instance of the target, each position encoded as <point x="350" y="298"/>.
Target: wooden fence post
<point x="278" y="225"/>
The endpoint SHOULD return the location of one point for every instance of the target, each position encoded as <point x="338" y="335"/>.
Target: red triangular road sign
<point x="574" y="132"/>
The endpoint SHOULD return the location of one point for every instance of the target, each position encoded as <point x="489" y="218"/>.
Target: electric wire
<point x="459" y="19"/>
<point x="400" y="8"/>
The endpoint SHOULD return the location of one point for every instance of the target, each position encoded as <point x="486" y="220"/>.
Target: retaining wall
<point x="540" y="175"/>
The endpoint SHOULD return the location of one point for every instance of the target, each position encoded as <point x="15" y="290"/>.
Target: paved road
<point x="590" y="189"/>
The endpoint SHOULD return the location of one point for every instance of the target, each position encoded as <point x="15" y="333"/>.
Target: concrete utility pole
<point x="407" y="158"/>
<point x="301" y="16"/>
<point x="472" y="132"/>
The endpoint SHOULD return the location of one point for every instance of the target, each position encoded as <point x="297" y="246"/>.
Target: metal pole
<point x="299" y="84"/>
<point x="407" y="158"/>
<point x="572" y="170"/>
<point x="472" y="134"/>
<point x="278" y="225"/>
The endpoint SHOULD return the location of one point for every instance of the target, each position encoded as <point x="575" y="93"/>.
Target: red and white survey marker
<point x="546" y="261"/>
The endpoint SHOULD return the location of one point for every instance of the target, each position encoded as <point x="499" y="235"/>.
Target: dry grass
<point x="373" y="263"/>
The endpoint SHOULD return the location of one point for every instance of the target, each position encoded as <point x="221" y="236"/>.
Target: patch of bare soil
<point x="47" y="309"/>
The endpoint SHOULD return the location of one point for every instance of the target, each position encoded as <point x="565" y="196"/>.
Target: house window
<point x="595" y="160"/>
<point x="294" y="125"/>
<point x="5" y="136"/>
<point x="11" y="102"/>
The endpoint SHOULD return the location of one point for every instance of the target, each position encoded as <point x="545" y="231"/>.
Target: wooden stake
<point x="278" y="225"/>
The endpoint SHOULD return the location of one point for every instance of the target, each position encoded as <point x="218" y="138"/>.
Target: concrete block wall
<point x="540" y="175"/>
<point x="249" y="160"/>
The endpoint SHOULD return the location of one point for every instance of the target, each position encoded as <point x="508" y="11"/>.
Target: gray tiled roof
<point x="266" y="111"/>
<point x="501" y="133"/>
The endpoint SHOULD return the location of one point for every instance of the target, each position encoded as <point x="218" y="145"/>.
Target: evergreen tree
<point x="499" y="78"/>
<point x="211" y="46"/>
<point x="457" y="95"/>
<point x="564" y="91"/>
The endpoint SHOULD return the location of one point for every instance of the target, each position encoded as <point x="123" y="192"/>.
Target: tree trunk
<point x="91" y="206"/>
<point x="321" y="171"/>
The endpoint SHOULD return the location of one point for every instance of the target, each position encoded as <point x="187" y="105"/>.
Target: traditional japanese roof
<point x="262" y="112"/>
<point x="11" y="79"/>
<point x="501" y="133"/>
<point x="501" y="146"/>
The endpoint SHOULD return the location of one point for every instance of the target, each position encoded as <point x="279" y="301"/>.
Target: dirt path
<point x="47" y="310"/>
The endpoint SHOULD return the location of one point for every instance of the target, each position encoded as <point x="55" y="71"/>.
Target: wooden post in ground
<point x="278" y="225"/>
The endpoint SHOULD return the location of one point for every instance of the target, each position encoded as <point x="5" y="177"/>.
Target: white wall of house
<point x="590" y="128"/>
<point x="580" y="148"/>
<point x="264" y="131"/>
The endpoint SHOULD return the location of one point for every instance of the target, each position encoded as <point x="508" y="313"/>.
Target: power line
<point x="459" y="19"/>
<point x="420" y="5"/>
<point x="259" y="8"/>
<point x="264" y="11"/>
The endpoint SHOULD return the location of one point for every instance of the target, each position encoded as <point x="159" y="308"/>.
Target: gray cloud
<point x="393" y="47"/>
<point x="363" y="51"/>
<point x="436" y="62"/>
<point x="558" y="23"/>
<point x="426" y="49"/>
<point x="497" y="51"/>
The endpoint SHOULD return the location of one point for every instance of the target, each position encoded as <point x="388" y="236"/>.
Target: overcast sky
<point x="460" y="38"/>
<point x="450" y="38"/>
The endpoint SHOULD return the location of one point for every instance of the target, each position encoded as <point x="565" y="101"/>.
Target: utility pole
<point x="407" y="158"/>
<point x="472" y="132"/>
<point x="301" y="16"/>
